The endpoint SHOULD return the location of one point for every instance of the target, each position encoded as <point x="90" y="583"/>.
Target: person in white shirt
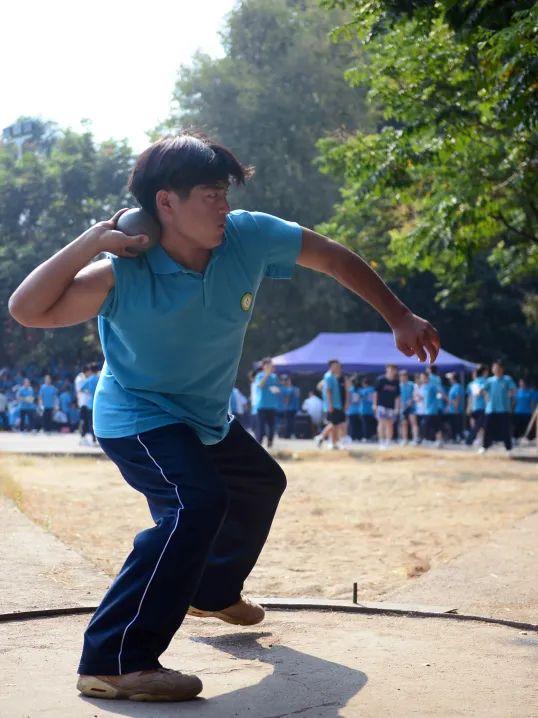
<point x="84" y="401"/>
<point x="314" y="408"/>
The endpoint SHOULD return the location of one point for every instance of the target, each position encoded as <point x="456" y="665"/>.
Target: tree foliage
<point x="63" y="183"/>
<point x="449" y="175"/>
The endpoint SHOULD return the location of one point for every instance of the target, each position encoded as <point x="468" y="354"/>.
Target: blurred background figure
<point x="408" y="416"/>
<point x="499" y="390"/>
<point x="387" y="404"/>
<point x="523" y="409"/>
<point x="456" y="407"/>
<point x="313" y="406"/>
<point x="476" y="404"/>
<point x="334" y="406"/>
<point x="369" y="422"/>
<point x="267" y="389"/>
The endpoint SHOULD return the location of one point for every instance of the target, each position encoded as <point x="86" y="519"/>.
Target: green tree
<point x="62" y="183"/>
<point x="447" y="182"/>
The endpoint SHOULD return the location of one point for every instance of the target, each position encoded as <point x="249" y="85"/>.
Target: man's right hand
<point x="106" y="238"/>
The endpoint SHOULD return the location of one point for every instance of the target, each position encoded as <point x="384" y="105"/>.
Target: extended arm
<point x="412" y="334"/>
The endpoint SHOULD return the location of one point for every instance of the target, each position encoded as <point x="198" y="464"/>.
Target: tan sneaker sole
<point x="198" y="613"/>
<point x="96" y="688"/>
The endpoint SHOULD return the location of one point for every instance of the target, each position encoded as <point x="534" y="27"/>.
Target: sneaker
<point x="481" y="450"/>
<point x="162" y="684"/>
<point x="318" y="440"/>
<point x="242" y="613"/>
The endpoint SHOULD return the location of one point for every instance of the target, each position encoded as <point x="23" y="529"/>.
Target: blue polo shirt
<point x="478" y="401"/>
<point x="65" y="400"/>
<point x="456" y="392"/>
<point x="331" y="382"/>
<point x="265" y="398"/>
<point x="172" y="337"/>
<point x="498" y="400"/>
<point x="354" y="406"/>
<point x="524" y="401"/>
<point x="367" y="400"/>
<point x="407" y="390"/>
<point x="26" y="391"/>
<point x="431" y="402"/>
<point x="48" y="394"/>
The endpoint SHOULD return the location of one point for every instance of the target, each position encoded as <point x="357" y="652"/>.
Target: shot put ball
<point x="138" y="221"/>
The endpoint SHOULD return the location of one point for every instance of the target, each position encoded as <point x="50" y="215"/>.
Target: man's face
<point x="200" y="217"/>
<point x="403" y="377"/>
<point x="497" y="370"/>
<point x="336" y="368"/>
<point x="391" y="372"/>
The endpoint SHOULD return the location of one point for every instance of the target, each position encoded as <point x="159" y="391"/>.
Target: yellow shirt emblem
<point x="246" y="301"/>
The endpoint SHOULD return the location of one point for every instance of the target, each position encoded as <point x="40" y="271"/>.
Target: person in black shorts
<point x="387" y="404"/>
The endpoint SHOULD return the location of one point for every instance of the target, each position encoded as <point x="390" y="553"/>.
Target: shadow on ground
<point x="299" y="683"/>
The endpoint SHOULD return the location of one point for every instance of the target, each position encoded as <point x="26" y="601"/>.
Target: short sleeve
<point x="282" y="242"/>
<point x="109" y="304"/>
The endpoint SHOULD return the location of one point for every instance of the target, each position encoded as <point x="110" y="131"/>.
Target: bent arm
<point x="80" y="301"/>
<point x="412" y="334"/>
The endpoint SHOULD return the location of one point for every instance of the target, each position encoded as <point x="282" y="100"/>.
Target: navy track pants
<point x="213" y="507"/>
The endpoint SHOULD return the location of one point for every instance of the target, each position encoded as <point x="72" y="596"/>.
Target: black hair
<point x="331" y="362"/>
<point x="499" y="362"/>
<point x="266" y="360"/>
<point x="180" y="163"/>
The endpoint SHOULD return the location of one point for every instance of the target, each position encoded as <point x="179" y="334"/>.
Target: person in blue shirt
<point x="27" y="406"/>
<point x="333" y="394"/>
<point x="353" y="412"/>
<point x="89" y="387"/>
<point x="499" y="391"/>
<point x="267" y="401"/>
<point x="65" y="398"/>
<point x="433" y="394"/>
<point x="420" y="403"/>
<point x="48" y="401"/>
<point x="408" y="408"/>
<point x="290" y="399"/>
<point x="73" y="416"/>
<point x="366" y="410"/>
<point x="172" y="317"/>
<point x="476" y="404"/>
<point x="524" y="408"/>
<point x="456" y="407"/>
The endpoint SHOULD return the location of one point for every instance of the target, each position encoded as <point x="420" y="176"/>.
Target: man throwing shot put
<point x="171" y="323"/>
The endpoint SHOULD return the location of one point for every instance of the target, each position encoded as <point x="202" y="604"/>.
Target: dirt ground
<point x="380" y="520"/>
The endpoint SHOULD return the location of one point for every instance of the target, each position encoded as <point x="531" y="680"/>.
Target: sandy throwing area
<point x="379" y="520"/>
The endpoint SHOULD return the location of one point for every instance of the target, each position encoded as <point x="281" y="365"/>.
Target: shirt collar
<point x="162" y="263"/>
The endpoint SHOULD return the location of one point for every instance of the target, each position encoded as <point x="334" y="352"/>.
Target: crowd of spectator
<point x="340" y="409"/>
<point x="424" y="408"/>
<point x="57" y="399"/>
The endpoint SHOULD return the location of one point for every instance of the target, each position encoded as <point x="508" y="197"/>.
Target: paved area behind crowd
<point x="307" y="663"/>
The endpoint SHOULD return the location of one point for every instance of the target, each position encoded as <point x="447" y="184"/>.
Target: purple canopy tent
<point x="366" y="352"/>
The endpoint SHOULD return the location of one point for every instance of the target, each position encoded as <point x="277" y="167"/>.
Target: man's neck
<point x="182" y="250"/>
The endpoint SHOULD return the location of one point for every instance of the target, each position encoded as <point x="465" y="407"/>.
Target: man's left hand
<point x="414" y="335"/>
